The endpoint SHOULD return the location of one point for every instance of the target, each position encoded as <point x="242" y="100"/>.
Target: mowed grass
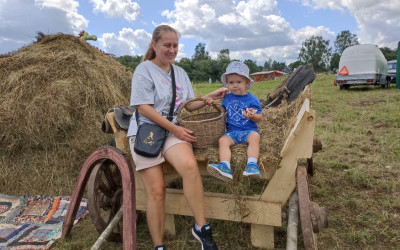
<point x="356" y="176"/>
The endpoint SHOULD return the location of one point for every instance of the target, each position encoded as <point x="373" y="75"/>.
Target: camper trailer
<point x="392" y="70"/>
<point x="362" y="65"/>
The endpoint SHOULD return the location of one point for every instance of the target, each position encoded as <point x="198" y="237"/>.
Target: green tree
<point x="334" y="63"/>
<point x="201" y="70"/>
<point x="315" y="50"/>
<point x="278" y="66"/>
<point x="217" y="69"/>
<point x="390" y="54"/>
<point x="268" y="64"/>
<point x="186" y="64"/>
<point x="200" y="52"/>
<point x="223" y="55"/>
<point x="253" y="67"/>
<point x="343" y="40"/>
<point x="219" y="66"/>
<point x="295" y="64"/>
<point x="130" y="61"/>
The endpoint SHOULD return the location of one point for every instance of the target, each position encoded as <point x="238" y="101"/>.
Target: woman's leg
<point x="253" y="141"/>
<point x="181" y="157"/>
<point x="153" y="179"/>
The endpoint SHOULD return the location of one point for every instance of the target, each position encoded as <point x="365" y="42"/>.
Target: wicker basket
<point x="207" y="126"/>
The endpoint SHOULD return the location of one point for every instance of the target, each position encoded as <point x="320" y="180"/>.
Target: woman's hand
<point x="217" y="94"/>
<point x="184" y="134"/>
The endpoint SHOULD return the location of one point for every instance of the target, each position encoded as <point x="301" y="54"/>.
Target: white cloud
<point x="128" y="42"/>
<point x="20" y="20"/>
<point x="378" y="21"/>
<point x="301" y="35"/>
<point x="243" y="28"/>
<point x="118" y="8"/>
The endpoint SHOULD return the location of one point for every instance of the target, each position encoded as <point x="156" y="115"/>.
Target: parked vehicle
<point x="392" y="70"/>
<point x="362" y="65"/>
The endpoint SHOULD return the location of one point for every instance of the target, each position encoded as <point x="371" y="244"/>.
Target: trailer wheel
<point x="387" y="83"/>
<point x="341" y="87"/>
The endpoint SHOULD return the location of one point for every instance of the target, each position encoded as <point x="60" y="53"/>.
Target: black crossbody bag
<point x="150" y="138"/>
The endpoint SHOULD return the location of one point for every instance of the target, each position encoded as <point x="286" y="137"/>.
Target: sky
<point x="251" y="29"/>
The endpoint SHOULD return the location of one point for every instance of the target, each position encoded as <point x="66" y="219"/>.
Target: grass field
<point x="357" y="176"/>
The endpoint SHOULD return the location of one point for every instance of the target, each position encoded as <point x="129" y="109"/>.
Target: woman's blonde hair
<point x="157" y="33"/>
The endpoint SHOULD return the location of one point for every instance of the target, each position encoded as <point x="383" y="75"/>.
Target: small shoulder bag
<point x="150" y="138"/>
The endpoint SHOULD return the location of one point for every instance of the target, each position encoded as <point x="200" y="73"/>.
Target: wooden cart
<point x="113" y="182"/>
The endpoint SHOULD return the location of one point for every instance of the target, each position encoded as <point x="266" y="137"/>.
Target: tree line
<point x="314" y="50"/>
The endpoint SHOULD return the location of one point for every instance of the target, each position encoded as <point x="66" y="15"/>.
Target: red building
<point x="267" y="75"/>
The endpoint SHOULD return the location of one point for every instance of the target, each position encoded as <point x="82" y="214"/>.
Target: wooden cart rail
<point x="264" y="211"/>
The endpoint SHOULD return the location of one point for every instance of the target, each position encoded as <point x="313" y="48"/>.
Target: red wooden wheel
<point x="113" y="156"/>
<point x="105" y="197"/>
<point x="312" y="217"/>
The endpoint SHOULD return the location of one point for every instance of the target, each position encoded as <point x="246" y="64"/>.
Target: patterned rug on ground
<point x="33" y="222"/>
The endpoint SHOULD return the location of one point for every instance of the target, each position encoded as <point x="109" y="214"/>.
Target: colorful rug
<point x="33" y="222"/>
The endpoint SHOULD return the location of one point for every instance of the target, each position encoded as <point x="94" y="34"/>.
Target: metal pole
<point x="293" y="221"/>
<point x="104" y="235"/>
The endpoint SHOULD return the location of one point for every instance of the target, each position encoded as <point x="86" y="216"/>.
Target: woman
<point x="152" y="94"/>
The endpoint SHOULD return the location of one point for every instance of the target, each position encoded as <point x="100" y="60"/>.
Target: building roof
<point x="268" y="72"/>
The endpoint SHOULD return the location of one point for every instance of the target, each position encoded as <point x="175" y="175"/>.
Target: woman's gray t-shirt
<point x="152" y="85"/>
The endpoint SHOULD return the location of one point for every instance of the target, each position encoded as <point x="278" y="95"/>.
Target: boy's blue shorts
<point x="239" y="137"/>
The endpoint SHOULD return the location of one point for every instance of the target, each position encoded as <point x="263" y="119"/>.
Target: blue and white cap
<point x="239" y="68"/>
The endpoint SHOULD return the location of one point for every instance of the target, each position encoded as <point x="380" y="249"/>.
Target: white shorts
<point x="142" y="162"/>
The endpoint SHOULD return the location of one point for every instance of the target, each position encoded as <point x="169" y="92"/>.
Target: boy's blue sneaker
<point x="161" y="247"/>
<point x="220" y="171"/>
<point x="252" y="171"/>
<point x="205" y="237"/>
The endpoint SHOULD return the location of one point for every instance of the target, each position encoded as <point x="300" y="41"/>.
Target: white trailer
<point x="362" y="65"/>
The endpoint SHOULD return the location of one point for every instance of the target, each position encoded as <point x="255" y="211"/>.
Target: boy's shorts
<point x="239" y="137"/>
<point x="142" y="162"/>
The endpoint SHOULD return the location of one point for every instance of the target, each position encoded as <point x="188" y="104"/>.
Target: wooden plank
<point x="170" y="224"/>
<point x="221" y="206"/>
<point x="111" y="119"/>
<point x="262" y="236"/>
<point x="121" y="141"/>
<point x="305" y="108"/>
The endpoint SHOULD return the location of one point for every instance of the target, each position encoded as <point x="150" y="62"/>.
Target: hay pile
<point x="54" y="94"/>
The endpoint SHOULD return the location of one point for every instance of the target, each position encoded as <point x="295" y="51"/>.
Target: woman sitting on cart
<point x="151" y="94"/>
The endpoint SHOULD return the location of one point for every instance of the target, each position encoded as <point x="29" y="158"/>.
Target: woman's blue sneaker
<point x="220" y="171"/>
<point x="205" y="237"/>
<point x="252" y="171"/>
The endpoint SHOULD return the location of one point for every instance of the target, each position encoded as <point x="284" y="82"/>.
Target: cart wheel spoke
<point x="108" y="174"/>
<point x="105" y="197"/>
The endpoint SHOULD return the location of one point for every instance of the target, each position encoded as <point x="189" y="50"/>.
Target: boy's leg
<point x="223" y="169"/>
<point x="253" y="152"/>
<point x="253" y="141"/>
<point x="225" y="143"/>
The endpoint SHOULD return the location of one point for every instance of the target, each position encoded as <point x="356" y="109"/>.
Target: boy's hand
<point x="249" y="113"/>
